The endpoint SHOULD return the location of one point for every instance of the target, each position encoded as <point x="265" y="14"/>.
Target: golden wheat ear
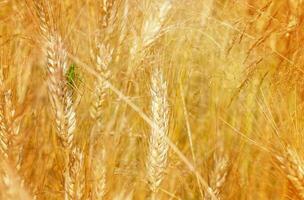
<point x="152" y="28"/>
<point x="99" y="172"/>
<point x="158" y="146"/>
<point x="11" y="184"/>
<point x="76" y="178"/>
<point x="293" y="167"/>
<point x="218" y="175"/>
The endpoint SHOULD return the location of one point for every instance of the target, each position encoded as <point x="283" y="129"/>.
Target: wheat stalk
<point x="158" y="147"/>
<point x="293" y="166"/>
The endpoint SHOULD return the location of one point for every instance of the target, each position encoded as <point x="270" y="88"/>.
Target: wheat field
<point x="151" y="99"/>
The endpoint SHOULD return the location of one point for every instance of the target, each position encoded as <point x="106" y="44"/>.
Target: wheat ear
<point x="293" y="166"/>
<point x="59" y="93"/>
<point x="103" y="59"/>
<point x="99" y="172"/>
<point x="218" y="175"/>
<point x="61" y="99"/>
<point x="4" y="135"/>
<point x="158" y="147"/>
<point x="152" y="28"/>
<point x="12" y="186"/>
<point x="76" y="176"/>
<point x="9" y="127"/>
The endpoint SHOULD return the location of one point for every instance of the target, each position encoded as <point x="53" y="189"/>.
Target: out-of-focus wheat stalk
<point x="293" y="166"/>
<point x="158" y="147"/>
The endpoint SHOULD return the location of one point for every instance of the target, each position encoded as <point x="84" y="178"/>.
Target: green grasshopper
<point x="72" y="77"/>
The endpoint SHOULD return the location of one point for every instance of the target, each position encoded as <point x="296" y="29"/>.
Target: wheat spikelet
<point x="106" y="8"/>
<point x="218" y="175"/>
<point x="99" y="173"/>
<point x="158" y="147"/>
<point x="293" y="166"/>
